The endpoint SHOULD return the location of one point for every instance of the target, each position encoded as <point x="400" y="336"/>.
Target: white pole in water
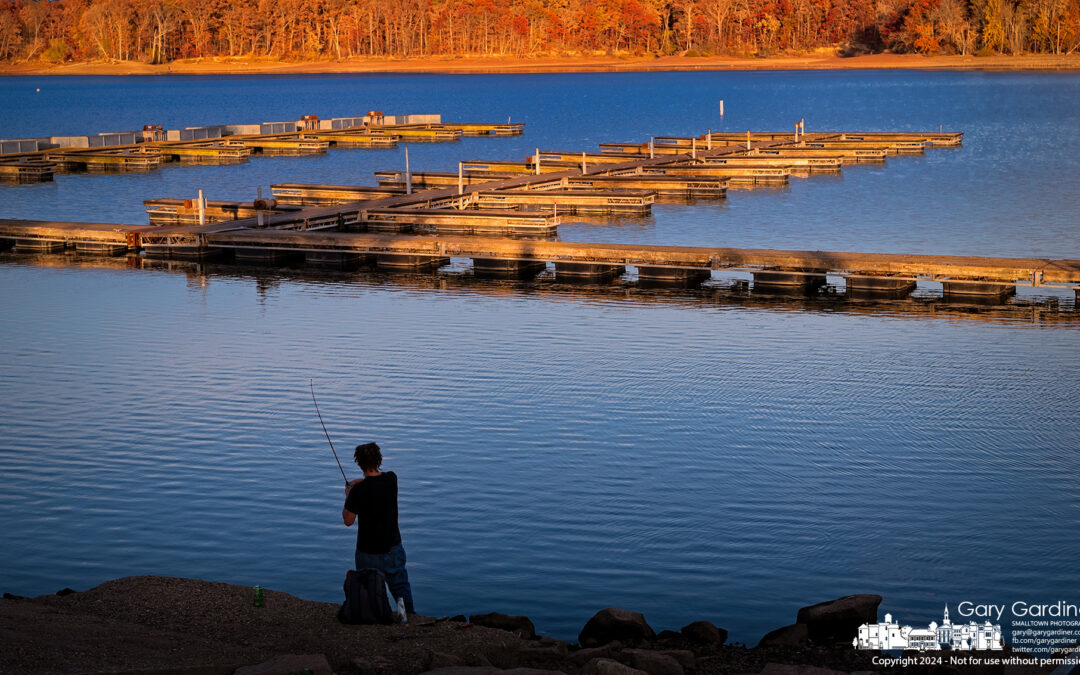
<point x="259" y="213"/>
<point x="693" y="148"/>
<point x="747" y="139"/>
<point x="460" y="179"/>
<point x="537" y="162"/>
<point x="796" y="132"/>
<point x="408" y="173"/>
<point x="721" y="107"/>
<point x="652" y="154"/>
<point x="202" y="209"/>
<point x="709" y="141"/>
<point x="584" y="167"/>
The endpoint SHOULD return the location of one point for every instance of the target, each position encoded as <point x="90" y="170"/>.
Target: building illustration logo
<point x="891" y="635"/>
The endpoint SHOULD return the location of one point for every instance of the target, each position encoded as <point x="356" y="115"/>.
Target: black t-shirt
<point x="374" y="501"/>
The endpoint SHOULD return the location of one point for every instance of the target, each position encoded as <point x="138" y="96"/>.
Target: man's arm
<point x="347" y="516"/>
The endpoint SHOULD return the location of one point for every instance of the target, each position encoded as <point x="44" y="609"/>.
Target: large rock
<point x="612" y="624"/>
<point x="704" y="632"/>
<point x="439" y="660"/>
<point x="839" y="620"/>
<point x="794" y="635"/>
<point x="521" y="626"/>
<point x="653" y="663"/>
<point x="684" y="656"/>
<point x="288" y="664"/>
<point x="609" y="667"/>
<point x="583" y="656"/>
<point x="550" y="656"/>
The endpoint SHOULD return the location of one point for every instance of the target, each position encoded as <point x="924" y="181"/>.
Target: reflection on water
<point x="691" y="453"/>
<point x="1043" y="305"/>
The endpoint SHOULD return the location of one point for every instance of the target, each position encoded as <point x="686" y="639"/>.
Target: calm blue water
<point x="559" y="451"/>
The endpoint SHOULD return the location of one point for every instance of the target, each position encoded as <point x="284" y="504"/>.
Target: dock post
<point x="537" y="161"/>
<point x="202" y="208"/>
<point x="748" y="139"/>
<point x="652" y="155"/>
<point x="693" y="148"/>
<point x="802" y="126"/>
<point x="460" y="179"/>
<point x="408" y="173"/>
<point x="259" y="213"/>
<point x="721" y="107"/>
<point x="796" y="132"/>
<point x="584" y="166"/>
<point x="708" y="141"/>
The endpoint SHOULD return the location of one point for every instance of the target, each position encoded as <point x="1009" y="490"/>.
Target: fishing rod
<point x="312" y="384"/>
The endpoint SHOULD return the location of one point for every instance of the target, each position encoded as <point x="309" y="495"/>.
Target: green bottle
<point x="258" y="596"/>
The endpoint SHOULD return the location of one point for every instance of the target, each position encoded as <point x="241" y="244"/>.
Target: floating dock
<point x="203" y="153"/>
<point x="169" y="212"/>
<point x="153" y="147"/>
<point x="126" y="159"/>
<point x="422" y="220"/>
<point x="865" y="271"/>
<point x="27" y="171"/>
<point x="303" y="194"/>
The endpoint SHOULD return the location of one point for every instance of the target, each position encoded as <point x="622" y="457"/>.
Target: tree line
<point x="159" y="31"/>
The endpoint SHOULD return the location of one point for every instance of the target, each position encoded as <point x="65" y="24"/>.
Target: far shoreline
<point x="562" y="64"/>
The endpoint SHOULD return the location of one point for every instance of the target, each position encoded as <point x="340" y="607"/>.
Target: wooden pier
<point x="126" y="159"/>
<point x="472" y="221"/>
<point x="486" y="129"/>
<point x="150" y="150"/>
<point x="896" y="268"/>
<point x="203" y="152"/>
<point x="347" y="139"/>
<point x="276" y="145"/>
<point x="169" y="212"/>
<point x="27" y="171"/>
<point x="323" y="195"/>
<point x="422" y="220"/>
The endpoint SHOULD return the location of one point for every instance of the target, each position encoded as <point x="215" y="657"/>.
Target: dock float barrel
<point x="567" y="270"/>
<point x="979" y="289"/>
<point x="410" y="262"/>
<point x="788" y="281"/>
<point x="654" y="275"/>
<point x="859" y="285"/>
<point x="337" y="259"/>
<point x="503" y="267"/>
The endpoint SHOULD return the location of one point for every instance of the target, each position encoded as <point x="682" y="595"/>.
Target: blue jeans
<point x="392" y="564"/>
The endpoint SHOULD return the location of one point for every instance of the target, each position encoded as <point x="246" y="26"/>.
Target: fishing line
<point x="311" y="383"/>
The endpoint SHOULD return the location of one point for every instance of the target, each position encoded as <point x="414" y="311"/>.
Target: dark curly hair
<point x="368" y="457"/>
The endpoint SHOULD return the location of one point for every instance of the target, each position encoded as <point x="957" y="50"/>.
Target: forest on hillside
<point x="159" y="31"/>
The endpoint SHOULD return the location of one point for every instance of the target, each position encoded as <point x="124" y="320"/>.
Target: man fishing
<point x="378" y="541"/>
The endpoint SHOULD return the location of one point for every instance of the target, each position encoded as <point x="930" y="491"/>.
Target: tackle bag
<point x="367" y="598"/>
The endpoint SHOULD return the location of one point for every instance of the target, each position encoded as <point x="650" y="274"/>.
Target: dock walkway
<point x="434" y="217"/>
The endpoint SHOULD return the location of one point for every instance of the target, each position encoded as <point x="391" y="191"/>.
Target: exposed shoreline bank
<point x="170" y="626"/>
<point x="509" y="65"/>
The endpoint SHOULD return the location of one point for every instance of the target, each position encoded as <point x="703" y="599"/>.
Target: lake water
<point x="560" y="449"/>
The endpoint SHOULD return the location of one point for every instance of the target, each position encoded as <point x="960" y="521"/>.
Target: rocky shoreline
<point x="169" y="626"/>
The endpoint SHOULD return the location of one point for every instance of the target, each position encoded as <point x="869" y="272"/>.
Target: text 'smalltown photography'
<point x="461" y="337"/>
